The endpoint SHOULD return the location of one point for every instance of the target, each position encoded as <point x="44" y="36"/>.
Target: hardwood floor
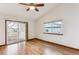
<point x="36" y="47"/>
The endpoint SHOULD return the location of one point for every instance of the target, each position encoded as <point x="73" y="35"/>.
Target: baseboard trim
<point x="31" y="39"/>
<point x="2" y="45"/>
<point x="57" y="44"/>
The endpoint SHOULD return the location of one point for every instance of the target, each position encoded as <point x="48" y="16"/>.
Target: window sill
<point x="53" y="33"/>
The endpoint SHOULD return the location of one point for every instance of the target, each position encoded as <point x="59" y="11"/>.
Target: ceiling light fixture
<point x="32" y="7"/>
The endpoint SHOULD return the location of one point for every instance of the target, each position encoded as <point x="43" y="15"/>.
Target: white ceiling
<point x="15" y="9"/>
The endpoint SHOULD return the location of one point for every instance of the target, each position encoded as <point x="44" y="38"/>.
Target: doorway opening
<point x="15" y="31"/>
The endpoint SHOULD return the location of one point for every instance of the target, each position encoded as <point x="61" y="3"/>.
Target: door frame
<point x="26" y="30"/>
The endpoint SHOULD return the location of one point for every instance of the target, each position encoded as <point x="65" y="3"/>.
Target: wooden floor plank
<point x="36" y="47"/>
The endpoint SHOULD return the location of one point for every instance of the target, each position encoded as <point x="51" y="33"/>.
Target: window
<point x="53" y="27"/>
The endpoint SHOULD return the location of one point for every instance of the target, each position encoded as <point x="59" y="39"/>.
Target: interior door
<point x="15" y="31"/>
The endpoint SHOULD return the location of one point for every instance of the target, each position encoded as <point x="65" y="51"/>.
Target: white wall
<point x="2" y="27"/>
<point x="69" y="13"/>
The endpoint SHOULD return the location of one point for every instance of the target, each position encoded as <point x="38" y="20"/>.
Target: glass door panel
<point x="16" y="32"/>
<point x="12" y="32"/>
<point x="22" y="32"/>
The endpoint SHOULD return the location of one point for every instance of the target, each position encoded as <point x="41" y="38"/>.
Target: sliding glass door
<point x="15" y="31"/>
